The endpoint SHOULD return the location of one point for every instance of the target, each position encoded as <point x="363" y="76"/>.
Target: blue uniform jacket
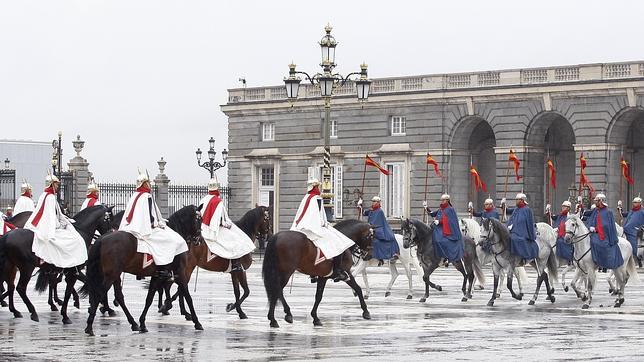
<point x="634" y="220"/>
<point x="384" y="243"/>
<point x="450" y="246"/>
<point x="522" y="233"/>
<point x="606" y="253"/>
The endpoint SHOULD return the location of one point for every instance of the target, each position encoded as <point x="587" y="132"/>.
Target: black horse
<point x="16" y="255"/>
<point x="415" y="232"/>
<point x="20" y="219"/>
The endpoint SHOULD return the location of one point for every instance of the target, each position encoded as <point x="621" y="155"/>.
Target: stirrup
<point x="340" y="276"/>
<point x="236" y="268"/>
<point x="314" y="279"/>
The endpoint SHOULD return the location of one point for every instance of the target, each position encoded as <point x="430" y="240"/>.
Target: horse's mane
<point x="182" y="219"/>
<point x="247" y="222"/>
<point x="86" y="211"/>
<point x="424" y="231"/>
<point x="15" y="217"/>
<point x="347" y="223"/>
<point x="504" y="233"/>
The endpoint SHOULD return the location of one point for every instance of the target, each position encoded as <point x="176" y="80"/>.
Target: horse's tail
<point x="553" y="266"/>
<point x="43" y="281"/>
<point x="3" y="255"/>
<point x="631" y="269"/>
<point x="270" y="273"/>
<point x="94" y="287"/>
<point x="478" y="268"/>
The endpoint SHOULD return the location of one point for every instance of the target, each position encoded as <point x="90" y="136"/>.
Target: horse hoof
<point x="468" y="296"/>
<point x="520" y="296"/>
<point x="243" y="315"/>
<point x="439" y="288"/>
<point x="135" y="327"/>
<point x="409" y="296"/>
<point x="566" y="289"/>
<point x="366" y="315"/>
<point x="464" y="299"/>
<point x="610" y="290"/>
<point x="274" y="324"/>
<point x="480" y="287"/>
<point x="617" y="305"/>
<point x="585" y="306"/>
<point x="317" y="323"/>
<point x="165" y="312"/>
<point x="288" y="318"/>
<point x="387" y="294"/>
<point x="54" y="308"/>
<point x="3" y="304"/>
<point x="490" y="303"/>
<point x="230" y="307"/>
<point x="143" y="329"/>
<point x="188" y="316"/>
<point x="584" y="298"/>
<point x="552" y="299"/>
<point x="89" y="331"/>
<point x="422" y="300"/>
<point x="34" y="317"/>
<point x="116" y="303"/>
<point x="77" y="305"/>
<point x="517" y="296"/>
<point x="552" y="291"/>
<point x="531" y="302"/>
<point x="111" y="312"/>
<point x="198" y="327"/>
<point x="17" y="314"/>
<point x="66" y="320"/>
<point x="59" y="302"/>
<point x="366" y="296"/>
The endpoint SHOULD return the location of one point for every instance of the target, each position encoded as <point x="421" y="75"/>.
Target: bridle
<point x="410" y="235"/>
<point x="574" y="239"/>
<point x="488" y="241"/>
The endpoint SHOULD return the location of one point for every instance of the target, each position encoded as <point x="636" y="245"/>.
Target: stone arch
<point x="549" y="134"/>
<point x="472" y="138"/>
<point x="625" y="136"/>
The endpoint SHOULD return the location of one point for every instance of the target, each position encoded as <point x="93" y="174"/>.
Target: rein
<point x="577" y="239"/>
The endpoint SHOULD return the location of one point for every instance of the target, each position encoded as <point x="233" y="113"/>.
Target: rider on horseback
<point x="603" y="237"/>
<point x="222" y="236"/>
<point x="564" y="250"/>
<point x="633" y="222"/>
<point x="310" y="220"/>
<point x="522" y="230"/>
<point x="448" y="241"/>
<point x="56" y="241"/>
<point x="24" y="202"/>
<point x="384" y="243"/>
<point x="143" y="220"/>
<point x="489" y="211"/>
<point x="92" y="196"/>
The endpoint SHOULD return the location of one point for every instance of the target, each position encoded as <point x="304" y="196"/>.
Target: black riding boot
<point x="165" y="272"/>
<point x="236" y="266"/>
<point x="338" y="273"/>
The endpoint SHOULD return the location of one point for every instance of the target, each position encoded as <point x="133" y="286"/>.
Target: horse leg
<point x="11" y="287"/>
<point x="118" y="294"/>
<point x="394" y="274"/>
<point x="167" y="305"/>
<point x="236" y="305"/>
<point x="318" y="299"/>
<point x="154" y="285"/>
<point x="410" y="292"/>
<point x="185" y="293"/>
<point x="243" y="282"/>
<point x="510" y="277"/>
<point x="50" y="299"/>
<point x="70" y="280"/>
<point x="490" y="303"/>
<point x="470" y="279"/>
<point x="461" y="268"/>
<point x="25" y="275"/>
<point x="550" y="291"/>
<point x="93" y="305"/>
<point x="621" y="277"/>
<point x="540" y="277"/>
<point x="356" y="288"/>
<point x="160" y="303"/>
<point x="428" y="271"/>
<point x="57" y="279"/>
<point x="563" y="278"/>
<point x="366" y="281"/>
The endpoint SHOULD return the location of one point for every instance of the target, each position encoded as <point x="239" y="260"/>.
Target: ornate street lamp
<point x="327" y="81"/>
<point x="56" y="160"/>
<point x="7" y="163"/>
<point x="211" y="165"/>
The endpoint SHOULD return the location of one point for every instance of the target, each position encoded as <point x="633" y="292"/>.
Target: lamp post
<point x="7" y="163"/>
<point x="211" y="165"/>
<point x="56" y="160"/>
<point x="327" y="81"/>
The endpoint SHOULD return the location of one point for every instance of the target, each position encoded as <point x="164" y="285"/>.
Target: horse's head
<point x="409" y="233"/>
<point x="360" y="232"/>
<point x="265" y="229"/>
<point x="105" y="225"/>
<point x="574" y="227"/>
<point x="493" y="232"/>
<point x="187" y="223"/>
<point x="464" y="229"/>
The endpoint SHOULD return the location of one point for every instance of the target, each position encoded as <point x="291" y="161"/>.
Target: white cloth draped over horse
<point x="23" y="204"/>
<point x="222" y="236"/>
<point x="56" y="241"/>
<point x="142" y="219"/>
<point x="310" y="220"/>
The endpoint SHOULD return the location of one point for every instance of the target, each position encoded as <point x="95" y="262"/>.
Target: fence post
<point x="80" y="173"/>
<point x="162" y="183"/>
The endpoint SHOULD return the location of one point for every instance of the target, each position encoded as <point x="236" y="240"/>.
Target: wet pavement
<point x="443" y="327"/>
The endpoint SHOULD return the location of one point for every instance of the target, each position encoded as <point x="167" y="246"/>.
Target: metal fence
<point x="7" y="188"/>
<point x="183" y="195"/>
<point x="67" y="192"/>
<point x="117" y="194"/>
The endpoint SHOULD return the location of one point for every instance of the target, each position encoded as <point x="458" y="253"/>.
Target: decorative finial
<point x="161" y="164"/>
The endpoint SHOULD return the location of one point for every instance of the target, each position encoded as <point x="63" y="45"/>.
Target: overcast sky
<point x="143" y="79"/>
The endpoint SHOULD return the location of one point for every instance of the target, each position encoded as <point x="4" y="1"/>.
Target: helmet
<point x="522" y="196"/>
<point x="311" y="183"/>
<point x="141" y="179"/>
<point x="92" y="187"/>
<point x="637" y="199"/>
<point x="567" y="204"/>
<point x="376" y="199"/>
<point x="50" y="180"/>
<point x="213" y="185"/>
<point x="25" y="187"/>
<point x="602" y="198"/>
<point x="489" y="201"/>
<point x="445" y="197"/>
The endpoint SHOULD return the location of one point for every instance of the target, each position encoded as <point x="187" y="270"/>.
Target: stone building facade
<point x="556" y="112"/>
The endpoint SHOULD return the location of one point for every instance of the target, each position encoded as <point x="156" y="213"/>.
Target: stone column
<point x="81" y="175"/>
<point x="162" y="183"/>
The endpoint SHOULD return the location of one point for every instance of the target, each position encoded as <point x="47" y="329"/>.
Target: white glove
<point x="359" y="203"/>
<point x="425" y="204"/>
<point x="592" y="229"/>
<point x="435" y="222"/>
<point x="548" y="208"/>
<point x="228" y="224"/>
<point x="503" y="201"/>
<point x="619" y="204"/>
<point x="509" y="227"/>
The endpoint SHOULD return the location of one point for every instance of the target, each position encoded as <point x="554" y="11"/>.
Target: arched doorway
<point x="626" y="137"/>
<point x="550" y="135"/>
<point x="472" y="140"/>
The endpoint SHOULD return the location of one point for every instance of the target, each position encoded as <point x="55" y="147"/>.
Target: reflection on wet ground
<point x="401" y="329"/>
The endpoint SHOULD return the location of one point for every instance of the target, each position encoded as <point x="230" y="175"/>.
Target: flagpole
<point x="471" y="176"/>
<point x="425" y="194"/>
<point x="547" y="179"/>
<point x="364" y="173"/>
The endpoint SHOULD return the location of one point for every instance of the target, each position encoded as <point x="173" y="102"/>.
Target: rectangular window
<point x="392" y="189"/>
<point x="336" y="185"/>
<point x="267" y="177"/>
<point x="266" y="186"/>
<point x="334" y="128"/>
<point x="398" y="126"/>
<point x="268" y="131"/>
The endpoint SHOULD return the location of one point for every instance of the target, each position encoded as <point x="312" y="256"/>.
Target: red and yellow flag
<point x="517" y="164"/>
<point x="431" y="161"/>
<point x="370" y="162"/>
<point x="626" y="171"/>
<point x="553" y="174"/>
<point x="583" y="179"/>
<point x="480" y="185"/>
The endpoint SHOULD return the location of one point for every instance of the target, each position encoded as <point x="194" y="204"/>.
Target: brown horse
<point x="16" y="255"/>
<point x="256" y="223"/>
<point x="19" y="221"/>
<point x="288" y="251"/>
<point x="116" y="253"/>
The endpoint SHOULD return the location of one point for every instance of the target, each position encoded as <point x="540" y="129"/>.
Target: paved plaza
<point x="443" y="328"/>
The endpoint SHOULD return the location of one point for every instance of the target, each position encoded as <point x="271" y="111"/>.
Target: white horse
<point x="578" y="234"/>
<point x="407" y="258"/>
